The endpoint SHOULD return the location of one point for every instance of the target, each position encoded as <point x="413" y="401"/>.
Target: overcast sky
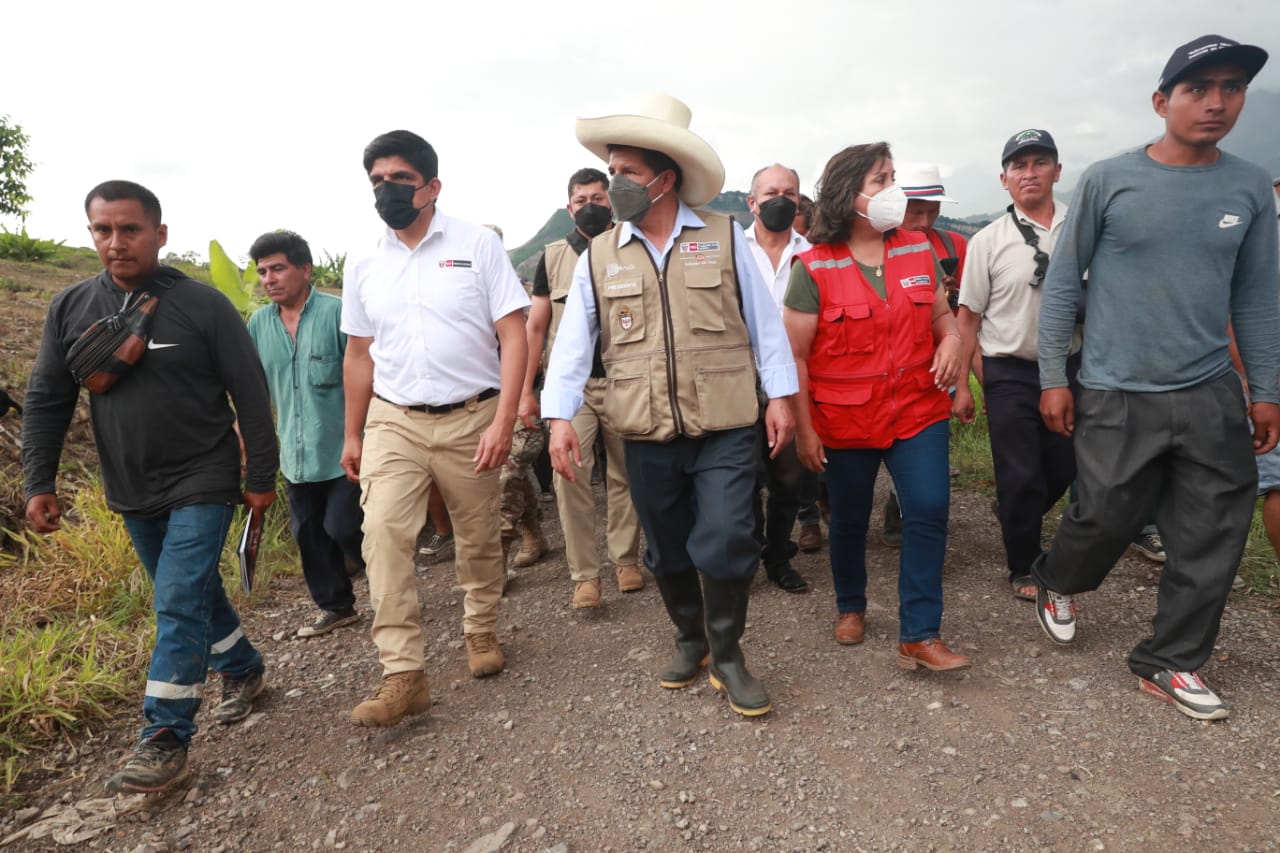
<point x="246" y="117"/>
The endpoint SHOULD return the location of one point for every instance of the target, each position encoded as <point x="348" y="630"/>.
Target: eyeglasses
<point x="1042" y="262"/>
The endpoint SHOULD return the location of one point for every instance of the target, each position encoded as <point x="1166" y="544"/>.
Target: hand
<point x="528" y="411"/>
<point x="962" y="407"/>
<point x="779" y="425"/>
<point x="44" y="514"/>
<point x="810" y="450"/>
<point x="566" y="455"/>
<point x="259" y="501"/>
<point x="352" y="447"/>
<point x="946" y="362"/>
<point x="1058" y="408"/>
<point x="1266" y="428"/>
<point x="495" y="444"/>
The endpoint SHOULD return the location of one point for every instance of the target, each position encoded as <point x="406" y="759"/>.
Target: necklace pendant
<point x="880" y="271"/>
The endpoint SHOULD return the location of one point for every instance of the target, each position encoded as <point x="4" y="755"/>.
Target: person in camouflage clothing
<point x="520" y="491"/>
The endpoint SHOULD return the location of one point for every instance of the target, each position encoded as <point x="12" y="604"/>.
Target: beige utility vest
<point x="560" y="260"/>
<point x="674" y="342"/>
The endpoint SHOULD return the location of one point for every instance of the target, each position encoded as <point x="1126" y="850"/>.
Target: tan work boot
<point x="586" y="594"/>
<point x="532" y="545"/>
<point x="399" y="695"/>
<point x="630" y="579"/>
<point x="484" y="655"/>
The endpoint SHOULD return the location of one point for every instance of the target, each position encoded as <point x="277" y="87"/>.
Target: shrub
<point x="329" y="272"/>
<point x="20" y="246"/>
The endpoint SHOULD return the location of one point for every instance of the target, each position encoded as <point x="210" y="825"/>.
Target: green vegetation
<point x="20" y="246"/>
<point x="234" y="283"/>
<point x="328" y="273"/>
<point x="15" y="167"/>
<point x="77" y="625"/>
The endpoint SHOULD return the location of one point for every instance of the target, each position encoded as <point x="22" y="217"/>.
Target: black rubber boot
<point x="683" y="596"/>
<point x="726" y="603"/>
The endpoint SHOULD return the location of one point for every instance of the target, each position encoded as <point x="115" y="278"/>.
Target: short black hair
<point x="123" y="191"/>
<point x="407" y="144"/>
<point x="583" y="177"/>
<point x="287" y="243"/>
<point x="656" y="161"/>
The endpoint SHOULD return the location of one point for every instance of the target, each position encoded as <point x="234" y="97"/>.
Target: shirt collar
<point x="439" y="225"/>
<point x="685" y="218"/>
<point x="1059" y="214"/>
<point x="794" y="239"/>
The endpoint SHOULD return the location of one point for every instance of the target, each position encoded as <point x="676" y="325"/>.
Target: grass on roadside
<point x="76" y="625"/>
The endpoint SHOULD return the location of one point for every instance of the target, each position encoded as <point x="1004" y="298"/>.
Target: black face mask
<point x="394" y="203"/>
<point x="778" y="213"/>
<point x="593" y="219"/>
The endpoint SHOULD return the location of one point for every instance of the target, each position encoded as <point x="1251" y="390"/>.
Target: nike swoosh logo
<point x="154" y="345"/>
<point x="1229" y="222"/>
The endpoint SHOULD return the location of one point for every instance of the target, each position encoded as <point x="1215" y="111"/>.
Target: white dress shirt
<point x="431" y="311"/>
<point x="570" y="362"/>
<point x="779" y="277"/>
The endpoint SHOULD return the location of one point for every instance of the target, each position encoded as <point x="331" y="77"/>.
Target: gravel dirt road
<point x="576" y="748"/>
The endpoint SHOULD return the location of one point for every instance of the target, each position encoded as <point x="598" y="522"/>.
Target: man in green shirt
<point x="301" y="348"/>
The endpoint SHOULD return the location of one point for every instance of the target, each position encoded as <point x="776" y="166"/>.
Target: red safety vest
<point x="869" y="379"/>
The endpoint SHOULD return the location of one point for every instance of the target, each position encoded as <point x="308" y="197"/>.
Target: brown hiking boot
<point x="850" y="628"/>
<point x="484" y="655"/>
<point x="630" y="579"/>
<point x="532" y="545"/>
<point x="810" y="538"/>
<point x="932" y="654"/>
<point x="586" y="594"/>
<point x="399" y="695"/>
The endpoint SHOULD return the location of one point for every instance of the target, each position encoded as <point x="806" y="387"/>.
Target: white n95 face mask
<point x="886" y="209"/>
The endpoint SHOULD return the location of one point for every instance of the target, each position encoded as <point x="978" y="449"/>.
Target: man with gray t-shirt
<point x="1178" y="239"/>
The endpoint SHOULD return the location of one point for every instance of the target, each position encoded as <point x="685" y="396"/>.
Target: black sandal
<point x="1019" y="586"/>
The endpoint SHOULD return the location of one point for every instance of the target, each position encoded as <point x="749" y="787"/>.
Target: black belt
<point x="486" y="394"/>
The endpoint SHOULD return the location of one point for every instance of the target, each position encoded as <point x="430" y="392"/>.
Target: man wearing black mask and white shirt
<point x="430" y="400"/>
<point x="592" y="215"/>
<point x="773" y="242"/>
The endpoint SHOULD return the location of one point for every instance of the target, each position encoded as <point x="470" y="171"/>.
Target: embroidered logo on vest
<point x="626" y="319"/>
<point x="694" y="248"/>
<point x="916" y="281"/>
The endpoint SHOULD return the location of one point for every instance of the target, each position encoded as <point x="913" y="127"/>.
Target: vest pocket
<point x="625" y="307"/>
<point x="726" y="396"/>
<point x="846" y="333"/>
<point x="706" y="305"/>
<point x="626" y="403"/>
<point x="841" y="415"/>
<point x="922" y="299"/>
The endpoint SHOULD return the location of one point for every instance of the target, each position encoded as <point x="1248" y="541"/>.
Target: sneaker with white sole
<point x="328" y="621"/>
<point x="1187" y="692"/>
<point x="1057" y="615"/>
<point x="437" y="545"/>
<point x="1149" y="545"/>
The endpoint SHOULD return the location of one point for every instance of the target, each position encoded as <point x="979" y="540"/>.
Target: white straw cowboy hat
<point x="661" y="124"/>
<point x="922" y="181"/>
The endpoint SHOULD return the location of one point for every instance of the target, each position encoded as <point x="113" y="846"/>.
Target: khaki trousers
<point x="405" y="452"/>
<point x="576" y="503"/>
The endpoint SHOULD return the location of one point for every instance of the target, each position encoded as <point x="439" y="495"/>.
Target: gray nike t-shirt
<point x="1172" y="253"/>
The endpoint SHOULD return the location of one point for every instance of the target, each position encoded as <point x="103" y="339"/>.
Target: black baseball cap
<point x="1029" y="138"/>
<point x="1211" y="48"/>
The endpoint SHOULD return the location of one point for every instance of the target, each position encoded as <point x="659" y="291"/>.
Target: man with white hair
<point x="687" y="328"/>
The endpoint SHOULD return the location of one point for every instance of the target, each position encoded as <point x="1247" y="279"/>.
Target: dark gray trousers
<point x="693" y="498"/>
<point x="1186" y="455"/>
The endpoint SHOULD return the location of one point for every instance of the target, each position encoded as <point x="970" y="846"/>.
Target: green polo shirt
<point x="305" y="378"/>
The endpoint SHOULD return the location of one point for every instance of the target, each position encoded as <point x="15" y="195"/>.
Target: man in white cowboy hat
<point x="687" y="330"/>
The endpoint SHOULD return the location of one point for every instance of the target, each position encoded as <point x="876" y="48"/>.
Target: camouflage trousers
<point x="520" y="489"/>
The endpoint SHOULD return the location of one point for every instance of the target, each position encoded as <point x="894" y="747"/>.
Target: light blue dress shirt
<point x="570" y="363"/>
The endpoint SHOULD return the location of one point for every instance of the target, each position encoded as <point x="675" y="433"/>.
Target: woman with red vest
<point x="876" y="348"/>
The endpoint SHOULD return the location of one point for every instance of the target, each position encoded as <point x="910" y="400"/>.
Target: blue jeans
<point x="197" y="629"/>
<point x="920" y="469"/>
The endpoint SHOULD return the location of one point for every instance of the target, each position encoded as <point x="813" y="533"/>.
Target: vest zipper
<point x="669" y="330"/>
